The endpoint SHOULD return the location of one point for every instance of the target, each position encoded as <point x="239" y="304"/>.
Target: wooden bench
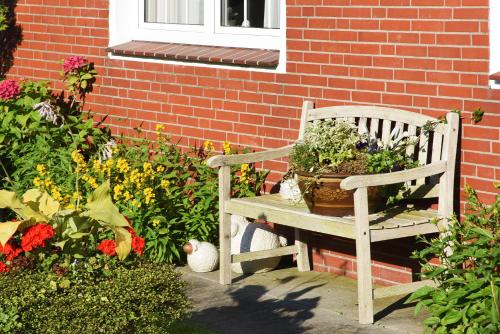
<point x="436" y="152"/>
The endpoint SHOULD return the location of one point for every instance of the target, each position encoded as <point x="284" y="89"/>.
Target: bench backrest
<point x="433" y="146"/>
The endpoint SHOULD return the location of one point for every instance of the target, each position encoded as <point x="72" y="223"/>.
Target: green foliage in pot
<point x="335" y="146"/>
<point x="110" y="298"/>
<point x="467" y="298"/>
<point x="3" y="17"/>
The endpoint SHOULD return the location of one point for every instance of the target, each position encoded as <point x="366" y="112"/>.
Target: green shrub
<point x="146" y="299"/>
<point x="467" y="299"/>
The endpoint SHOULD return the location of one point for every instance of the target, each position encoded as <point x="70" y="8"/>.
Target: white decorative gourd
<point x="202" y="256"/>
<point x="250" y="237"/>
<point x="289" y="189"/>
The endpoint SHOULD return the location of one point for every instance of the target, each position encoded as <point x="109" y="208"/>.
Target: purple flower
<point x="73" y="63"/>
<point x="9" y="89"/>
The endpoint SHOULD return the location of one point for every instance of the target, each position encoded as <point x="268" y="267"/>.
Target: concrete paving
<point x="288" y="301"/>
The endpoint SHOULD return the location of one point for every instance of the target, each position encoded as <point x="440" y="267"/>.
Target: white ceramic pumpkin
<point x="250" y="237"/>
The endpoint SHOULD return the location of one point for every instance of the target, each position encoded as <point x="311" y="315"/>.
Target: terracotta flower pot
<point x="324" y="196"/>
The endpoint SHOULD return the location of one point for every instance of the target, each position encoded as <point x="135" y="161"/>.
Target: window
<point x="255" y="24"/>
<point x="495" y="44"/>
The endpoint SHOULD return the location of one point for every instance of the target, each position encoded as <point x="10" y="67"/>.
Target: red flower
<point x="10" y="252"/>
<point x="35" y="236"/>
<point x="108" y="247"/>
<point x="73" y="63"/>
<point x="131" y="231"/>
<point x="138" y="245"/>
<point x="4" y="268"/>
<point x="9" y="89"/>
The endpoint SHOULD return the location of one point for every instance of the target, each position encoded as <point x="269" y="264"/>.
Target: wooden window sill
<point x="495" y="76"/>
<point x="198" y="53"/>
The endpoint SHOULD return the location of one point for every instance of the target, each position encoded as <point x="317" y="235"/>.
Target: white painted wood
<point x="446" y="182"/>
<point x="264" y="254"/>
<point x="401" y="289"/>
<point x="286" y="213"/>
<point x="363" y="257"/>
<point x="374" y="128"/>
<point x="402" y="232"/>
<point x="363" y="126"/>
<point x="423" y="151"/>
<point x="236" y="159"/>
<point x="307" y="106"/>
<point x="303" y="252"/>
<point x="224" y="225"/>
<point x="386" y="130"/>
<point x="392" y="114"/>
<point x="412" y="131"/>
<point x="373" y="180"/>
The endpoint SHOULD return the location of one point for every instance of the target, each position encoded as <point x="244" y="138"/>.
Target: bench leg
<point x="225" y="249"/>
<point x="224" y="226"/>
<point x="363" y="257"/>
<point x="302" y="251"/>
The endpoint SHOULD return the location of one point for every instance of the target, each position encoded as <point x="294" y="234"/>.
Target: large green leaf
<point x="123" y="242"/>
<point x="8" y="229"/>
<point x="101" y="208"/>
<point x="41" y="201"/>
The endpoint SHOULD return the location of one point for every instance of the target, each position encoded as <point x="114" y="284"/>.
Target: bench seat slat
<point x="274" y="208"/>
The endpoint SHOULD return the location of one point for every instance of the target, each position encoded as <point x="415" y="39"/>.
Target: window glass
<point x="250" y="13"/>
<point x="174" y="11"/>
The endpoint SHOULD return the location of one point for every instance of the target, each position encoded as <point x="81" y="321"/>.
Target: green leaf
<point x="431" y="321"/>
<point x="123" y="241"/>
<point x="422" y="292"/>
<point x="451" y="317"/>
<point x="101" y="208"/>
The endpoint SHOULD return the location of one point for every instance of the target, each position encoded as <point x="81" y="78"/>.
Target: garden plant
<point x="92" y="222"/>
<point x="464" y="262"/>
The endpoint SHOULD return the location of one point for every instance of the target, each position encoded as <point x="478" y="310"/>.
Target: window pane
<point x="174" y="11"/>
<point x="251" y="13"/>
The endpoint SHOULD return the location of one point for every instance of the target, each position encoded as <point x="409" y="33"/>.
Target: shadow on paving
<point x="251" y="312"/>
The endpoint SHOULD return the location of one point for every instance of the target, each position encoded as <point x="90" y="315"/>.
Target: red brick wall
<point x="427" y="56"/>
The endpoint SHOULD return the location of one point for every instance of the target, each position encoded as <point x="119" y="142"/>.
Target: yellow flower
<point x="79" y="160"/>
<point x="37" y="182"/>
<point x="136" y="203"/>
<point x="127" y="196"/>
<point x="165" y="184"/>
<point x="159" y="127"/>
<point x="148" y="170"/>
<point x="90" y="180"/>
<point x="48" y="182"/>
<point x="160" y="169"/>
<point x="77" y="195"/>
<point x="227" y="147"/>
<point x="56" y="194"/>
<point x="70" y="206"/>
<point x="117" y="191"/>
<point x="136" y="177"/>
<point x="208" y="146"/>
<point x="41" y="169"/>
<point x="149" y="196"/>
<point x="122" y="165"/>
<point x="156" y="222"/>
<point x="244" y="173"/>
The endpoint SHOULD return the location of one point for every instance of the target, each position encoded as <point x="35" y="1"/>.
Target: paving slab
<point x="289" y="301"/>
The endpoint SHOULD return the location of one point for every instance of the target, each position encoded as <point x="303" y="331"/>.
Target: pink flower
<point x="73" y="63"/>
<point x="9" y="89"/>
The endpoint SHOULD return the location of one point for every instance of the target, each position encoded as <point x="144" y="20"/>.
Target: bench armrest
<point x="372" y="180"/>
<point x="236" y="159"/>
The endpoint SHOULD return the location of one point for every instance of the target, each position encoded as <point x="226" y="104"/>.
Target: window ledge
<point x="198" y="53"/>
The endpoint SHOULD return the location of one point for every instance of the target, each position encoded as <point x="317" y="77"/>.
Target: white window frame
<point x="127" y="23"/>
<point x="494" y="23"/>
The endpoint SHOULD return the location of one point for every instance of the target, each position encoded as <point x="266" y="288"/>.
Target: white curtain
<point x="272" y="14"/>
<point x="174" y="11"/>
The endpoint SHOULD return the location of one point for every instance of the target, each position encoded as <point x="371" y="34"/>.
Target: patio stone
<point x="288" y="301"/>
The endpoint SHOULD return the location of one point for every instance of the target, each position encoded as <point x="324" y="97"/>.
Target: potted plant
<point x="333" y="150"/>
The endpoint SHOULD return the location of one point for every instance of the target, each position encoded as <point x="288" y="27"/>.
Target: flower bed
<point x="83" y="212"/>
